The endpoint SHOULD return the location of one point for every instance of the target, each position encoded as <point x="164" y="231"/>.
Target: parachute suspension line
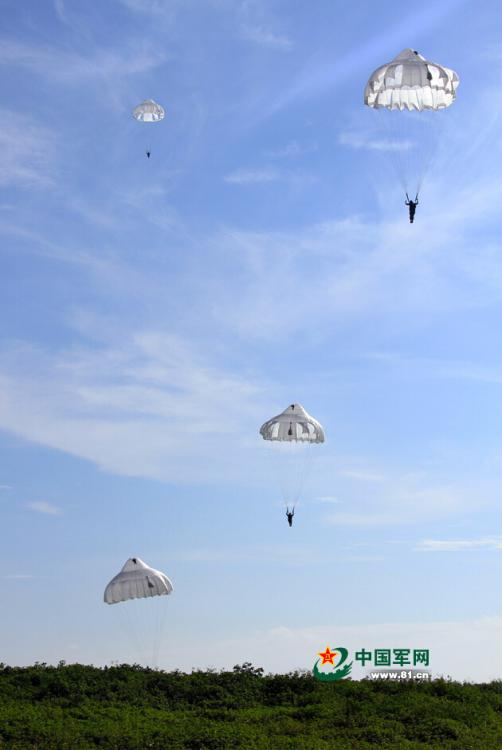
<point x="436" y="128"/>
<point x="156" y="639"/>
<point x="143" y="626"/>
<point x="426" y="151"/>
<point x="294" y="471"/>
<point x="410" y="144"/>
<point x="131" y="626"/>
<point x="135" y="590"/>
<point x="416" y="88"/>
<point x="395" y="148"/>
<point x="158" y="635"/>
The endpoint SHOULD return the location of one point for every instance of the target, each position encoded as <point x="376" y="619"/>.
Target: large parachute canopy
<point x="294" y="424"/>
<point x="148" y="111"/>
<point x="137" y="580"/>
<point x="411" y="82"/>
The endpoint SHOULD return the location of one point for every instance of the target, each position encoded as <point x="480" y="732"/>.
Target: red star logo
<point x="327" y="656"/>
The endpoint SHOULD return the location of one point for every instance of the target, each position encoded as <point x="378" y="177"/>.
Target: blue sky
<point x="154" y="313"/>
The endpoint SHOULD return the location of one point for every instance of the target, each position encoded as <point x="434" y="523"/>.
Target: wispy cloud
<point x="362" y="476"/>
<point x="460" y="545"/>
<point x="492" y="52"/>
<point x="103" y="265"/>
<point x="356" y="266"/>
<point x="423" y="367"/>
<point x="159" y="9"/>
<point x="252" y="176"/>
<point x="149" y="407"/>
<point x="369" y="142"/>
<point x="46" y="508"/>
<point x="60" y="8"/>
<point x="265" y="37"/>
<point x="399" y="502"/>
<point x="295" y="179"/>
<point x="62" y="66"/>
<point x="28" y="151"/>
<point x="271" y="554"/>
<point x="282" y="648"/>
<point x="292" y="149"/>
<point x="320" y="74"/>
<point x="17" y="576"/>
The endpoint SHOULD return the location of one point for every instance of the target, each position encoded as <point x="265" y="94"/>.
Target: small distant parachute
<point x="291" y="433"/>
<point x="137" y="580"/>
<point x="148" y="111"/>
<point x="407" y="85"/>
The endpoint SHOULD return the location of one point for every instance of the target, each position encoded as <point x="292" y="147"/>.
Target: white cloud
<point x="67" y="67"/>
<point x="362" y="476"/>
<point x="400" y="501"/>
<point x="46" y="508"/>
<point x="423" y="367"/>
<point x="359" y="267"/>
<point x="369" y="142"/>
<point x="282" y="648"/>
<point x="17" y="577"/>
<point x="299" y="555"/>
<point x="148" y="407"/>
<point x="321" y="74"/>
<point x="28" y="151"/>
<point x="252" y="176"/>
<point x="150" y="7"/>
<point x="60" y="8"/>
<point x="265" y="37"/>
<point x="102" y="265"/>
<point x="459" y="545"/>
<point x="292" y="149"/>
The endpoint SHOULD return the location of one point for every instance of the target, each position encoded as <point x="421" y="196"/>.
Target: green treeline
<point x="73" y="707"/>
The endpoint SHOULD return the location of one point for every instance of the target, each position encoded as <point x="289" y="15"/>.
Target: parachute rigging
<point x="143" y="620"/>
<point x="408" y="86"/>
<point x="148" y="111"/>
<point x="292" y="433"/>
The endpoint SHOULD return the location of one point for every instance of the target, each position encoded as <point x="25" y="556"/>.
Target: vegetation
<point x="73" y="707"/>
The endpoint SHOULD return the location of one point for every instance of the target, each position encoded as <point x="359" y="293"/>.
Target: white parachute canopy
<point x="148" y="111"/>
<point x="411" y="82"/>
<point x="137" y="580"/>
<point x="294" y="424"/>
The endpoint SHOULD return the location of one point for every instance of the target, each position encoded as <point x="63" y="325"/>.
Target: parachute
<point x="411" y="82"/>
<point x="293" y="424"/>
<point x="142" y="614"/>
<point x="148" y="111"/>
<point x="137" y="580"/>
<point x="408" y="86"/>
<point x="291" y="434"/>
